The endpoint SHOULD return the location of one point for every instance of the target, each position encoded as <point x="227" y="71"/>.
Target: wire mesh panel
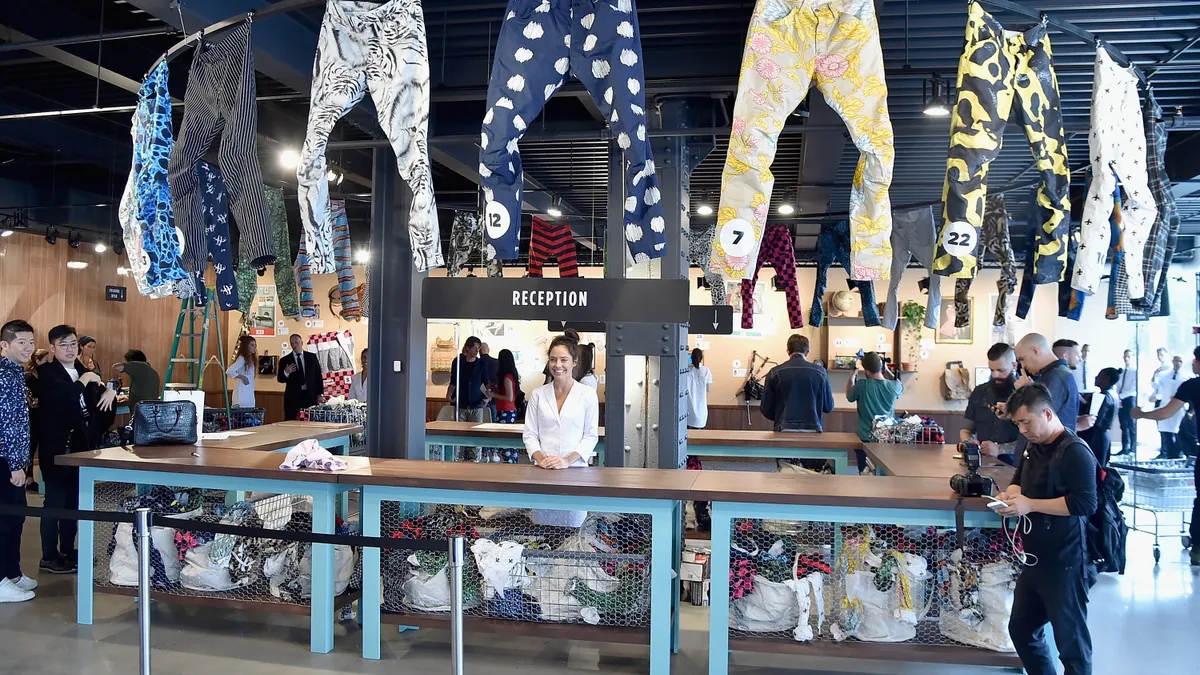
<point x="833" y="582"/>
<point x="343" y="412"/>
<point x="200" y="564"/>
<point x="217" y="420"/>
<point x="522" y="565"/>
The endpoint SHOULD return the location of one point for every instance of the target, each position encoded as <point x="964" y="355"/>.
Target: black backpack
<point x="1106" y="528"/>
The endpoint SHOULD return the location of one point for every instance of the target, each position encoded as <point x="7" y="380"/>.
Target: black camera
<point x="972" y="484"/>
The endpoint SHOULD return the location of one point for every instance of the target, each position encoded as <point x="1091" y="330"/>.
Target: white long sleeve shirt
<point x="558" y="433"/>
<point x="1165" y="387"/>
<point x="1127" y="383"/>
<point x="243" y="394"/>
<point x="358" y="390"/>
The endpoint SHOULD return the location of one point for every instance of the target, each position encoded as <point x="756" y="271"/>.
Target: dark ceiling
<point x="71" y="170"/>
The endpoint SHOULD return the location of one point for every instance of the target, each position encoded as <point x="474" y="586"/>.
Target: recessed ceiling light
<point x="704" y="210"/>
<point x="787" y="209"/>
<point x="289" y="159"/>
<point x="100" y="247"/>
<point x="77" y="265"/>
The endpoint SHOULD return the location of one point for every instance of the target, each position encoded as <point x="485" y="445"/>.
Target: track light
<point x="289" y="159"/>
<point x="933" y="92"/>
<point x="555" y="210"/>
<point x="52" y="235"/>
<point x="75" y="239"/>
<point x="362" y="256"/>
<point x="786" y="209"/>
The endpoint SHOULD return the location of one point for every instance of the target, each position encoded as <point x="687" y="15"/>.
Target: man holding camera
<point x="996" y="435"/>
<point x="1053" y="492"/>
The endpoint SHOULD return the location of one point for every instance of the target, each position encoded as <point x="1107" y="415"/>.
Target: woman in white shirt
<point x="587" y="366"/>
<point x="358" y="383"/>
<point x="699" y="380"/>
<point x="243" y="371"/>
<point x="562" y="424"/>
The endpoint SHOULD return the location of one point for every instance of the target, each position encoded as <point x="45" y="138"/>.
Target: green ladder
<point x="197" y="321"/>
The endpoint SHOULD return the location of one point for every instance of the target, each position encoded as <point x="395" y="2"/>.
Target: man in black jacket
<point x="71" y="400"/>
<point x="301" y="371"/>
<point x="796" y="394"/>
<point x="1052" y="494"/>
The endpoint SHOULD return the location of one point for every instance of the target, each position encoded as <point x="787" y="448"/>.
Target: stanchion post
<point x="456" y="605"/>
<point x="143" y="535"/>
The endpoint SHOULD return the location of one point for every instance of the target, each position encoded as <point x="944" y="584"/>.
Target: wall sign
<point x="114" y="293"/>
<point x="711" y="320"/>
<point x="534" y="299"/>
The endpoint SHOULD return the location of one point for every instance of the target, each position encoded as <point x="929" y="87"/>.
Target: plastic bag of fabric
<point x="200" y="574"/>
<point x="888" y="597"/>
<point x="164" y="557"/>
<point x="289" y="575"/>
<point x="979" y="604"/>
<point x="770" y="608"/>
<point x="555" y="579"/>
<point x="430" y="593"/>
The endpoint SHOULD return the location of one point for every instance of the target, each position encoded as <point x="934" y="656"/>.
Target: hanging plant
<point x="913" y="314"/>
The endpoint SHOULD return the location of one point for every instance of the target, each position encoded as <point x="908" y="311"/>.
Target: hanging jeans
<point x="996" y="241"/>
<point x="344" y="262"/>
<point x="1118" y="149"/>
<point x="833" y="246"/>
<point x="379" y="49"/>
<point x="552" y="240"/>
<point x="700" y="255"/>
<point x="220" y="101"/>
<point x="779" y="250"/>
<point x="540" y="42"/>
<point x="1000" y="72"/>
<point x="216" y="227"/>
<point x="466" y="239"/>
<point x="285" y="275"/>
<point x="146" y="216"/>
<point x="913" y="232"/>
<point x="791" y="42"/>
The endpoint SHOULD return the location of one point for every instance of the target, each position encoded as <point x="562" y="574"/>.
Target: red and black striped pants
<point x="552" y="240"/>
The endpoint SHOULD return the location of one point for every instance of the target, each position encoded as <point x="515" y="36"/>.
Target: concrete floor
<point x="1141" y="623"/>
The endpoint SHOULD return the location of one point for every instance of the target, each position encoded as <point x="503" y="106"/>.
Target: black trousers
<point x="1128" y="424"/>
<point x="11" y="527"/>
<point x="62" y="492"/>
<point x="1170" y="447"/>
<point x="1195" y="527"/>
<point x="1058" y="596"/>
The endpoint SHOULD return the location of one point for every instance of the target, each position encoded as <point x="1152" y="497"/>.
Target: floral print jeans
<point x="790" y="44"/>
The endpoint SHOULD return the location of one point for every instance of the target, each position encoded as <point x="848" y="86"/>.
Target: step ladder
<point x="191" y="333"/>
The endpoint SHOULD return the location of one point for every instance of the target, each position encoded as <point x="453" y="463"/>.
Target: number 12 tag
<point x="495" y="220"/>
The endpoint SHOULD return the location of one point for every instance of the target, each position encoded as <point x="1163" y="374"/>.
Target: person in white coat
<point x="243" y="370"/>
<point x="1166" y="384"/>
<point x="562" y="424"/>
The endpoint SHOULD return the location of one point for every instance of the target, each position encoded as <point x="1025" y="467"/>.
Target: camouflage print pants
<point x="699" y="254"/>
<point x="996" y="242"/>
<point x="466" y="239"/>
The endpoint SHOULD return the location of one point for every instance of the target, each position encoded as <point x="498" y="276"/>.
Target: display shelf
<point x="262" y="602"/>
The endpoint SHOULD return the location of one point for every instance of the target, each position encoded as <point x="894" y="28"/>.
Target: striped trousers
<point x="552" y="240"/>
<point x="220" y="101"/>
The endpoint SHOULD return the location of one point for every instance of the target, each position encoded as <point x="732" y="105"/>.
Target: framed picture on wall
<point x="266" y="365"/>
<point x="949" y="334"/>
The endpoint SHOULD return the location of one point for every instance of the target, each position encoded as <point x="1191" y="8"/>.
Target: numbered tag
<point x="495" y="220"/>
<point x="958" y="239"/>
<point x="737" y="238"/>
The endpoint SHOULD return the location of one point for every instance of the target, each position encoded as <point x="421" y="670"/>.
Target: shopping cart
<point x="343" y="412"/>
<point x="1159" y="486"/>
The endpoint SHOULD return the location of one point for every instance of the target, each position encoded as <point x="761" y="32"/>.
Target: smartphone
<point x="997" y="504"/>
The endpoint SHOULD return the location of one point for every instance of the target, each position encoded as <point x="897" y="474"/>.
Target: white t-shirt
<point x="73" y="373"/>
<point x="1165" y="387"/>
<point x="590" y="380"/>
<point x="698" y="380"/>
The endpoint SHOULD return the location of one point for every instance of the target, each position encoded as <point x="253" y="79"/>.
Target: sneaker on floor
<point x="10" y="593"/>
<point x="56" y="566"/>
<point x="24" y="583"/>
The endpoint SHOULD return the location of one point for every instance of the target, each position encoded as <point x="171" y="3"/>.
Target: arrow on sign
<point x="719" y="317"/>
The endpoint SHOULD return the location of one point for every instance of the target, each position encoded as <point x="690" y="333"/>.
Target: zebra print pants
<point x="378" y="49"/>
<point x="220" y="101"/>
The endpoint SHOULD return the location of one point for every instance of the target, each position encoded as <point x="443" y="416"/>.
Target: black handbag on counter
<point x="164" y="423"/>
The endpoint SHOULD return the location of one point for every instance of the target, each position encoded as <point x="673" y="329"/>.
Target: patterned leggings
<point x="834" y="246"/>
<point x="343" y="260"/>
<point x="509" y="455"/>
<point x="216" y="227"/>
<point x="466" y="239"/>
<point x="700" y="254"/>
<point x="779" y="250"/>
<point x="550" y="240"/>
<point x="997" y="242"/>
<point x="285" y="273"/>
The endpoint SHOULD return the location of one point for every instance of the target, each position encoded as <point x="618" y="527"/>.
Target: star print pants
<point x="997" y="242"/>
<point x="364" y="47"/>
<point x="1160" y="246"/>
<point x="466" y="239"/>
<point x="540" y="42"/>
<point x="700" y="254"/>
<point x="220" y="101"/>
<point x="791" y="42"/>
<point x="913" y="232"/>
<point x="146" y="216"/>
<point x="1001" y="72"/>
<point x="216" y="226"/>
<point x="833" y="246"/>
<point x="779" y="250"/>
<point x="1118" y="147"/>
<point x="552" y="240"/>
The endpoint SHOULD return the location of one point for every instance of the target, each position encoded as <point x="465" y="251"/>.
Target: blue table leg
<point x="85" y="579"/>
<point x="370" y="506"/>
<point x="676" y="562"/>
<point x="841" y="465"/>
<point x="718" y="595"/>
<point x="321" y="638"/>
<point x="340" y="446"/>
<point x="662" y="548"/>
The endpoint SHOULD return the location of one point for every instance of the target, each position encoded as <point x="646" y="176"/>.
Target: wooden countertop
<point x="826" y="490"/>
<point x="201" y="461"/>
<point x="933" y="461"/>
<point x="282" y="435"/>
<point x="748" y="438"/>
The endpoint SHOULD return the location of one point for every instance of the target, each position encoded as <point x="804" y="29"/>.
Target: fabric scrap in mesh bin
<point x="977" y="601"/>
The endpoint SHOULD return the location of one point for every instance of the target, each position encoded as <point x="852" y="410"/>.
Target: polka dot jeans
<point x="540" y="43"/>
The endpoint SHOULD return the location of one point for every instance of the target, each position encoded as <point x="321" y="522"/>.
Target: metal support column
<point x="617" y="400"/>
<point x="396" y="331"/>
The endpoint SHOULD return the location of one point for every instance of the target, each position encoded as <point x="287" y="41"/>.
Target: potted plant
<point x="913" y="315"/>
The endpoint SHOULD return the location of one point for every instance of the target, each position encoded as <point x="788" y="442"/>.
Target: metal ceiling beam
<point x="85" y="39"/>
<point x="75" y="62"/>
